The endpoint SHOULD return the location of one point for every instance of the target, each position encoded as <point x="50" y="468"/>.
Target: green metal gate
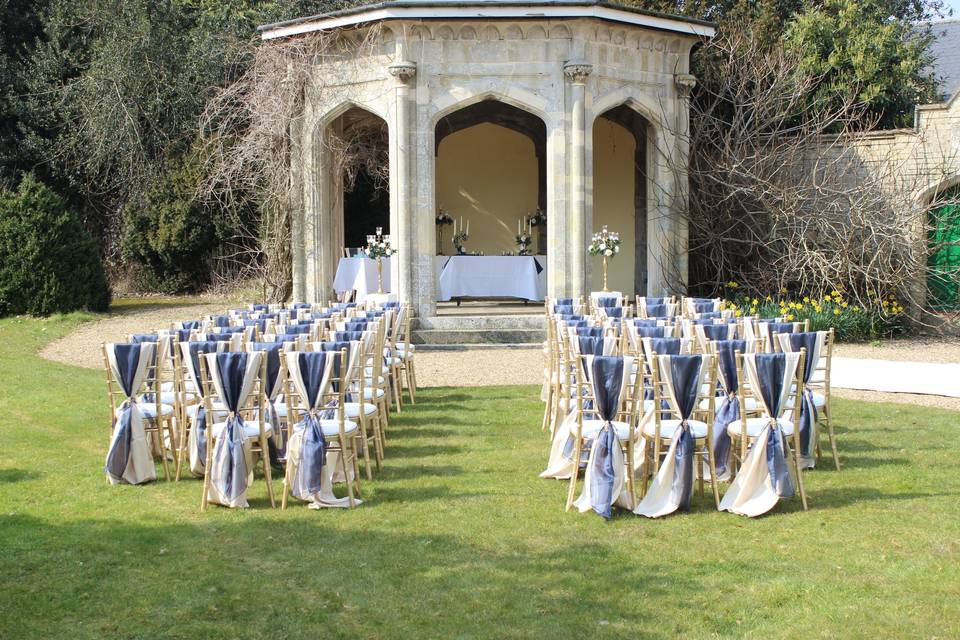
<point x="943" y="280"/>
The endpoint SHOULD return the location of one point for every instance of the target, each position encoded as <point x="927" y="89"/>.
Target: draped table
<point x="359" y="273"/>
<point x="523" y="277"/>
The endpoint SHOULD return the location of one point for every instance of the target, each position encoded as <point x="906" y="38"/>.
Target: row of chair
<point x="190" y="398"/>
<point x="727" y="415"/>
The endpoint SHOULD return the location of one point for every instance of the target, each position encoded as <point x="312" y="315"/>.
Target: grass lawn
<point x="458" y="537"/>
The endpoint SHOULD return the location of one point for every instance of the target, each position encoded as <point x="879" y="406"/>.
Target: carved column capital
<point x="403" y="71"/>
<point x="685" y="83"/>
<point x="577" y="72"/>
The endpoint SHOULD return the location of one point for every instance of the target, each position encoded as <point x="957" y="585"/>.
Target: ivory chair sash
<point x="813" y="342"/>
<point x="606" y="483"/>
<point x="684" y="377"/>
<point x="318" y="403"/>
<point x="764" y="477"/>
<point x="129" y="459"/>
<point x="229" y="470"/>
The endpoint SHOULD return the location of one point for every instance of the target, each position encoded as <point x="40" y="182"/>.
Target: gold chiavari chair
<point x="157" y="416"/>
<point x="588" y="427"/>
<point x="252" y="412"/>
<point x="753" y="427"/>
<point x="337" y="431"/>
<point x="659" y="431"/>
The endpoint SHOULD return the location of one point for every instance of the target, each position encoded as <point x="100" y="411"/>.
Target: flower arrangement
<point x="443" y="219"/>
<point x="606" y="243"/>
<point x="458" y="240"/>
<point x="523" y="241"/>
<point x="378" y="246"/>
<point x="537" y="218"/>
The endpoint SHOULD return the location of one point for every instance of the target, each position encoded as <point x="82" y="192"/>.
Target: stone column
<point x="577" y="73"/>
<point x="680" y="211"/>
<point x="402" y="276"/>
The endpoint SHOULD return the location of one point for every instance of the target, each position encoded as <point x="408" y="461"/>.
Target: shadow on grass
<point x="11" y="476"/>
<point x="334" y="572"/>
<point x="418" y="471"/>
<point x="839" y="497"/>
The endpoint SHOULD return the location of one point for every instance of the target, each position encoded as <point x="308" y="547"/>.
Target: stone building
<point x="492" y="110"/>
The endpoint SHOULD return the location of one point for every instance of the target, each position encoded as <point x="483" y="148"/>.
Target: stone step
<point x="531" y="322"/>
<point x="476" y="336"/>
<point x="483" y="346"/>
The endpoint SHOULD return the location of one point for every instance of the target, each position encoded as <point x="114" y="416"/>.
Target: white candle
<point x="468" y="227"/>
<point x="518" y="226"/>
<point x="454" y="227"/>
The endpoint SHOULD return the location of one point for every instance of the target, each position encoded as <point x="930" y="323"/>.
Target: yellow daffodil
<point x="789" y="317"/>
<point x="826" y="298"/>
<point x="806" y="298"/>
<point x="836" y="312"/>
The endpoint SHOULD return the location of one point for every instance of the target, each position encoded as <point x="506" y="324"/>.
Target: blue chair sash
<point x="607" y="301"/>
<point x="657" y="311"/>
<point x="808" y="340"/>
<point x="771" y="370"/>
<point x="231" y="369"/>
<point x="129" y="363"/>
<point x="684" y="374"/>
<point x="607" y="381"/>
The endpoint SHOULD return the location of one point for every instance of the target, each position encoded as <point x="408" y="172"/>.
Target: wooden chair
<point x="745" y="432"/>
<point x="252" y="412"/>
<point x="157" y="416"/>
<point x="587" y="427"/>
<point x="328" y="411"/>
<point x="660" y="431"/>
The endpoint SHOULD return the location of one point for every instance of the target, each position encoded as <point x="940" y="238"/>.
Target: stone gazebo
<point x="585" y="103"/>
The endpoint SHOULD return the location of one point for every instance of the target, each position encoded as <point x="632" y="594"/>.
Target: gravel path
<point x="82" y="347"/>
<point x="481" y="367"/>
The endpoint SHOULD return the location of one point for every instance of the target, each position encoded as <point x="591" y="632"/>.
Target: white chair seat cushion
<point x="370" y="393"/>
<point x="331" y="428"/>
<point x="756" y="425"/>
<point x="149" y="410"/>
<point x="392" y="361"/>
<point x="188" y="386"/>
<point x="750" y="403"/>
<point x="251" y="429"/>
<point x="403" y="347"/>
<point x="170" y="397"/>
<point x="591" y="428"/>
<point x="218" y="407"/>
<point x="819" y="400"/>
<point x="668" y="427"/>
<point x="353" y="409"/>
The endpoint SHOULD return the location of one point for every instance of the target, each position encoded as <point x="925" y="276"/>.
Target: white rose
<point x="602" y="246"/>
<point x="608" y="252"/>
<point x="616" y="249"/>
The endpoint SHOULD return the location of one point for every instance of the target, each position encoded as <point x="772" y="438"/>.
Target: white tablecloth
<point x="360" y="273"/>
<point x="491" y="277"/>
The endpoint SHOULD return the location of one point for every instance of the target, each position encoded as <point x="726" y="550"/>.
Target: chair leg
<point x="572" y="489"/>
<point x="343" y="467"/>
<point x="411" y="389"/>
<point x="631" y="477"/>
<point x="364" y="437"/>
<point x="547" y="407"/>
<point x="184" y="443"/>
<point x="288" y="470"/>
<point x="267" y="472"/>
<point x="207" y="480"/>
<point x="803" y="491"/>
<point x="713" y="472"/>
<point x="395" y="387"/>
<point x="833" y="439"/>
<point x="158" y="443"/>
